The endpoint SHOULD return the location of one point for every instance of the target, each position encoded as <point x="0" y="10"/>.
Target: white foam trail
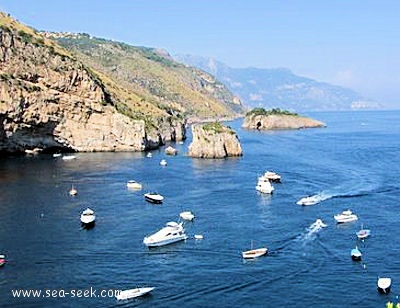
<point x="313" y="229"/>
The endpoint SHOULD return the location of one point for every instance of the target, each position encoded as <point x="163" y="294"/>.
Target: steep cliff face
<point x="50" y="100"/>
<point x="270" y="122"/>
<point x="213" y="140"/>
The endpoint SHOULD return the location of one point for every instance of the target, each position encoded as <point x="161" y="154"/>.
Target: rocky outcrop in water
<point x="275" y="122"/>
<point x="214" y="140"/>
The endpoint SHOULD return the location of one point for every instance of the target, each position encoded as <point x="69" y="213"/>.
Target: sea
<point x="352" y="163"/>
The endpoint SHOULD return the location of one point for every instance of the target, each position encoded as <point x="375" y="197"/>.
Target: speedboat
<point x="254" y="253"/>
<point x="2" y="260"/>
<point x="153" y="197"/>
<point x="264" y="186"/>
<point x="132" y="184"/>
<point x="384" y="285"/>
<point x="88" y="217"/>
<point x="356" y="254"/>
<point x="363" y="233"/>
<point x="272" y="176"/>
<point x="345" y="216"/>
<point x="309" y="200"/>
<point x="187" y="215"/>
<point x="318" y="224"/>
<point x="131" y="293"/>
<point x="163" y="162"/>
<point x="171" y="233"/>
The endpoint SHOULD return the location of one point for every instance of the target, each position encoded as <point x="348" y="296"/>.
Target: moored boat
<point x="254" y="253"/>
<point x="187" y="215"/>
<point x="132" y="184"/>
<point x="88" y="217"/>
<point x="131" y="293"/>
<point x="171" y="233"/>
<point x="356" y="254"/>
<point x="153" y="197"/>
<point x="163" y="162"/>
<point x="272" y="176"/>
<point x="345" y="216"/>
<point x="73" y="191"/>
<point x="264" y="186"/>
<point x="363" y="233"/>
<point x="384" y="285"/>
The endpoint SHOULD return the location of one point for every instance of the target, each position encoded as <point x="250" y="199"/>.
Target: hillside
<point x="60" y="100"/>
<point x="280" y="88"/>
<point x="154" y="76"/>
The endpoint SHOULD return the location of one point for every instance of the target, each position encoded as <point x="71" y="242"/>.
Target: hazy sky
<point x="353" y="43"/>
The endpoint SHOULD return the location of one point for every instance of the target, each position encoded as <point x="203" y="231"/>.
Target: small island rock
<point x="214" y="140"/>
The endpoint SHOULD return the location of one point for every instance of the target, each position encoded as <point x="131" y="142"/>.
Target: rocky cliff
<point x="279" y="121"/>
<point x="50" y="100"/>
<point x="214" y="140"/>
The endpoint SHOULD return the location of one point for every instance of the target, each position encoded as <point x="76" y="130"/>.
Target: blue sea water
<point x="353" y="163"/>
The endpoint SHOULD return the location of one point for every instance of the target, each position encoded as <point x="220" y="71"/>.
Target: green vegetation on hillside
<point x="274" y="111"/>
<point x="217" y="127"/>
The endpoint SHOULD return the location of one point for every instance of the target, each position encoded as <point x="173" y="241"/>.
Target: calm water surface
<point x="354" y="163"/>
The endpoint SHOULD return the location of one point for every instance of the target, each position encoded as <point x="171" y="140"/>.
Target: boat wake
<point x="314" y="199"/>
<point x="311" y="232"/>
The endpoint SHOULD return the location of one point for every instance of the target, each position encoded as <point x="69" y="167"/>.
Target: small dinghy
<point x="131" y="293"/>
<point x="384" y="285"/>
<point x="363" y="233"/>
<point x="356" y="254"/>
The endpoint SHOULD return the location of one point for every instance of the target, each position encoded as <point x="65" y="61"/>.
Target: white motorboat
<point x="384" y="285"/>
<point x="356" y="254"/>
<point x="254" y="253"/>
<point x="163" y="162"/>
<point x="198" y="236"/>
<point x="345" y="216"/>
<point x="149" y="155"/>
<point x="317" y="225"/>
<point x="309" y="200"/>
<point x="363" y="233"/>
<point x="171" y="233"/>
<point x="88" y="217"/>
<point x="132" y="184"/>
<point x="153" y="197"/>
<point x="264" y="186"/>
<point x="187" y="215"/>
<point x="131" y="293"/>
<point x="272" y="176"/>
<point x="171" y="151"/>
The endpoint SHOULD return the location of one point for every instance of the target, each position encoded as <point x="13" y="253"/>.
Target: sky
<point x="351" y="43"/>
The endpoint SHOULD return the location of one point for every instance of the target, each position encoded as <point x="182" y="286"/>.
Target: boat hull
<point x="132" y="293"/>
<point x="254" y="253"/>
<point x="157" y="199"/>
<point x="164" y="242"/>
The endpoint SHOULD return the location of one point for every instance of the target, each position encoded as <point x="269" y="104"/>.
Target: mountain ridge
<point x="280" y="88"/>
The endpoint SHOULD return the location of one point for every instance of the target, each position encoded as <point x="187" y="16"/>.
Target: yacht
<point x="272" y="176"/>
<point x="88" y="217"/>
<point x="171" y="233"/>
<point x="363" y="233"/>
<point x="264" y="186"/>
<point x="345" y="216"/>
